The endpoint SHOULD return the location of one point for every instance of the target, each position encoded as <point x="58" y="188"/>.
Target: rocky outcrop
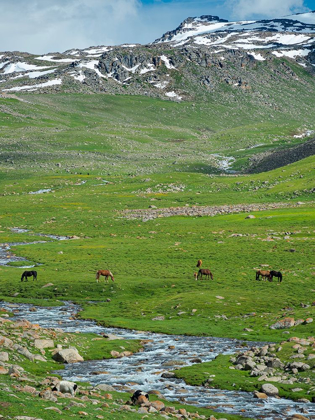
<point x="273" y="160"/>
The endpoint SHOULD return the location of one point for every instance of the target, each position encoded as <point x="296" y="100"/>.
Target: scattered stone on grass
<point x="68" y="356"/>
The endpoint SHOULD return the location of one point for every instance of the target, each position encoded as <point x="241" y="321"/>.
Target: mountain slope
<point x="241" y="90"/>
<point x="192" y="61"/>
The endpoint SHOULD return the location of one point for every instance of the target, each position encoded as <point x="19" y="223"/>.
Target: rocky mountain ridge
<point x="199" y="58"/>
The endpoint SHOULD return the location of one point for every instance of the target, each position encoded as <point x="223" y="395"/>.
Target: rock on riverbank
<point x="26" y="358"/>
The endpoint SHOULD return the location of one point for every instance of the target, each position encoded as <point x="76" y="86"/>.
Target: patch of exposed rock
<point x="200" y="211"/>
<point x="264" y="363"/>
<point x="272" y="160"/>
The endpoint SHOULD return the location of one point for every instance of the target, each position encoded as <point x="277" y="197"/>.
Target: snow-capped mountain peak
<point x="201" y="48"/>
<point x="207" y="25"/>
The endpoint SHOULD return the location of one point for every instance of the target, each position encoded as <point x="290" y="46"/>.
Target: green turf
<point x="100" y="156"/>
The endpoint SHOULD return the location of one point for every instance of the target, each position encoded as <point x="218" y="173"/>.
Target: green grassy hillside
<point x="112" y="135"/>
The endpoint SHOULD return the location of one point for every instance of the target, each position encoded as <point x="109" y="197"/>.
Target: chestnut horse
<point x="199" y="263"/>
<point x="265" y="274"/>
<point x="204" y="272"/>
<point x="105" y="273"/>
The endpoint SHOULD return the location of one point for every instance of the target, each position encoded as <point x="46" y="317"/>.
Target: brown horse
<point x="196" y="276"/>
<point x="199" y="263"/>
<point x="265" y="274"/>
<point x="205" y="272"/>
<point x="105" y="273"/>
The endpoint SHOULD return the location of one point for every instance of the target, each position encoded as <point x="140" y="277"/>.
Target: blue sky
<point x="57" y="25"/>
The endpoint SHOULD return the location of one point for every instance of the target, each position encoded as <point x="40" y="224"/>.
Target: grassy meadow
<point x="99" y="157"/>
<point x="78" y="149"/>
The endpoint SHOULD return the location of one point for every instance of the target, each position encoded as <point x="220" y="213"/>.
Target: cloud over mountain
<point x="268" y="8"/>
<point x="45" y="25"/>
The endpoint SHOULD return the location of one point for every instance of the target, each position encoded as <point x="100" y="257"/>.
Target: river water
<point x="144" y="370"/>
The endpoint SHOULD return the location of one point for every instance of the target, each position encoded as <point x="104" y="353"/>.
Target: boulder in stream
<point x="270" y="390"/>
<point x="68" y="356"/>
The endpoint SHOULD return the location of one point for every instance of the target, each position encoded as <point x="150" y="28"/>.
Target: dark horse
<point x="205" y="272"/>
<point x="105" y="273"/>
<point x="276" y="274"/>
<point x="29" y="274"/>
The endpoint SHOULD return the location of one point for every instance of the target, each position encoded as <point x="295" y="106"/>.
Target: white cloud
<point x="245" y="9"/>
<point x="43" y="26"/>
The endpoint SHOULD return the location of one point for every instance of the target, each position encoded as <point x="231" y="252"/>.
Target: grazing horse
<point x="204" y="272"/>
<point x="265" y="274"/>
<point x="29" y="274"/>
<point x="276" y="274"/>
<point x="196" y="276"/>
<point x="105" y="273"/>
<point x="199" y="263"/>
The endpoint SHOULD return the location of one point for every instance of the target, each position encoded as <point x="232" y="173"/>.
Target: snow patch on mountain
<point x="31" y="88"/>
<point x="53" y="59"/>
<point x="258" y="57"/>
<point x="4" y="64"/>
<point x="133" y="69"/>
<point x="308" y="18"/>
<point x="173" y="95"/>
<point x="78" y="76"/>
<point x="291" y="53"/>
<point x="21" y="67"/>
<point x="97" y="50"/>
<point x="167" y="62"/>
<point x="35" y="74"/>
<point x="161" y="85"/>
<point x="147" y="69"/>
<point x="92" y="65"/>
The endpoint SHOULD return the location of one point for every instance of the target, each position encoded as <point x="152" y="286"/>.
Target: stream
<point x="162" y="353"/>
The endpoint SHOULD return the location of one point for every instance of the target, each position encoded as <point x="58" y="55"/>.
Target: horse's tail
<point x="22" y="277"/>
<point x="97" y="275"/>
<point x="257" y="275"/>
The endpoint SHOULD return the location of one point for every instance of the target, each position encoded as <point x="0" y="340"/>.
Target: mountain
<point x="202" y="56"/>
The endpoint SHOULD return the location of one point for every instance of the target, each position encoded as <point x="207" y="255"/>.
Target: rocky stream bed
<point x="150" y="369"/>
